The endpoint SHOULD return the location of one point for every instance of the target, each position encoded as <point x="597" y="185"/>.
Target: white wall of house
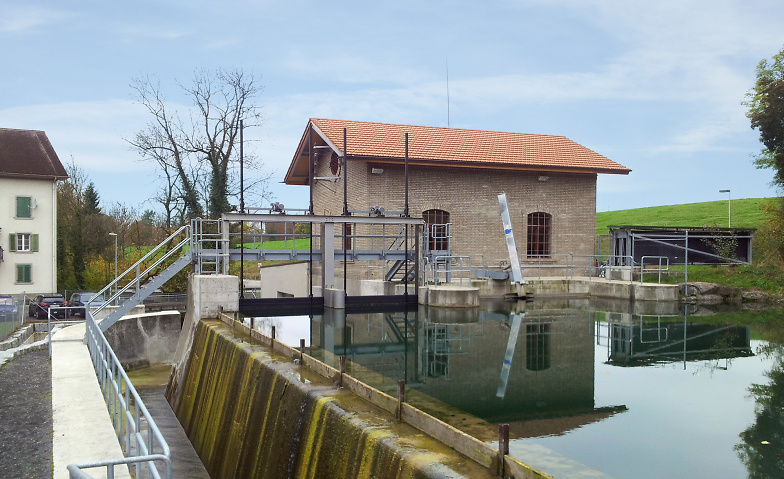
<point x="42" y="222"/>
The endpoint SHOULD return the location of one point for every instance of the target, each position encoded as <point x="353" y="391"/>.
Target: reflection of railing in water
<point x="634" y="344"/>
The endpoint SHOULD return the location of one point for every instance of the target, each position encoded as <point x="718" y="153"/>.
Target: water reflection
<point x="762" y="449"/>
<point x="534" y="366"/>
<point x="637" y="340"/>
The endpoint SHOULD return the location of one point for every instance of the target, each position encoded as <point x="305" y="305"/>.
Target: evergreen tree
<point x="91" y="200"/>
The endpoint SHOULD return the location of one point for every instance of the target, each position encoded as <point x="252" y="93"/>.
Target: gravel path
<point x="26" y="417"/>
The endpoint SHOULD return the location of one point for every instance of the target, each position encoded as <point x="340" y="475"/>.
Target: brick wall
<point x="471" y="198"/>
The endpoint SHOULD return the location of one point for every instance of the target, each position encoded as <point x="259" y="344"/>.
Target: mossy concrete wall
<point x="250" y="413"/>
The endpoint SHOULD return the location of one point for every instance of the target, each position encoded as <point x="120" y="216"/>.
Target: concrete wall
<point x="43" y="223"/>
<point x="142" y="340"/>
<point x="290" y="278"/>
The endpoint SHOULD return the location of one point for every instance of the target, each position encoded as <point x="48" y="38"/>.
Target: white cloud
<point x="25" y="18"/>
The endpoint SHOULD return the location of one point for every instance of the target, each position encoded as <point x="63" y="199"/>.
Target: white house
<point x="29" y="171"/>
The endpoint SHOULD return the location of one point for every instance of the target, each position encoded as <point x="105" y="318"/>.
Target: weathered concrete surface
<point x="142" y="340"/>
<point x="208" y="295"/>
<point x="277" y="280"/>
<point x="603" y="288"/>
<point x="450" y="296"/>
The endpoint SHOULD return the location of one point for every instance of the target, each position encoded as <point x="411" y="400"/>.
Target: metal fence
<point x="139" y="436"/>
<point x="453" y="269"/>
<point x="457" y="269"/>
<point x="12" y="314"/>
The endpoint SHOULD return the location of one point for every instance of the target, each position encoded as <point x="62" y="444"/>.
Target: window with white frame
<point x="23" y="242"/>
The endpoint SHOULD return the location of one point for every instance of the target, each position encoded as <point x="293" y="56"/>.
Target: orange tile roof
<point x="468" y="146"/>
<point x="385" y="142"/>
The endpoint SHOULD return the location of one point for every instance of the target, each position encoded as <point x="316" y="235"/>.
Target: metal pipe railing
<point x="128" y="412"/>
<point x="135" y="266"/>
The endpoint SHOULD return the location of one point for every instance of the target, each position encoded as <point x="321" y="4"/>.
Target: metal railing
<point x="657" y="267"/>
<point x="136" y="430"/>
<point x="455" y="269"/>
<point x="591" y="266"/>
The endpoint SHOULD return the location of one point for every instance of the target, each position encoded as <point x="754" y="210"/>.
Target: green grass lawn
<point x="745" y="214"/>
<point x="299" y="243"/>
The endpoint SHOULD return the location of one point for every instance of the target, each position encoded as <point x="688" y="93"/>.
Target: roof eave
<point x="490" y="165"/>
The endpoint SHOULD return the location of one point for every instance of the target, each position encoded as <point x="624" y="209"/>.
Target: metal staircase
<point x="180" y="243"/>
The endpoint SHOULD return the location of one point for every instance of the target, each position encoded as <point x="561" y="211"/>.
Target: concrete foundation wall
<point x="142" y="340"/>
<point x="282" y="280"/>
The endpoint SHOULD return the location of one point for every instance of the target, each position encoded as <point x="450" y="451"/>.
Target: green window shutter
<point x="11" y="242"/>
<point x="24" y="273"/>
<point x="23" y="209"/>
<point x="34" y="242"/>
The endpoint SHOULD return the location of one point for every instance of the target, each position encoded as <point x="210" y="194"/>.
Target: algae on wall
<point x="250" y="414"/>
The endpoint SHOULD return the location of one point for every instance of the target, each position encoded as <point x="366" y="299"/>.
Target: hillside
<point x="745" y="214"/>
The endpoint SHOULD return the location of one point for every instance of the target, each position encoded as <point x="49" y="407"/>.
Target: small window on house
<point x="24" y="273"/>
<point x="539" y="228"/>
<point x="437" y="223"/>
<point x="24" y="207"/>
<point x="22" y="242"/>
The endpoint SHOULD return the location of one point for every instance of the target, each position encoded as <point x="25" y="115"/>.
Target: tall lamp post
<point x="115" y="261"/>
<point x="729" y="208"/>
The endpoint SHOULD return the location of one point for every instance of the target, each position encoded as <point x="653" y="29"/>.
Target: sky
<point x="655" y="86"/>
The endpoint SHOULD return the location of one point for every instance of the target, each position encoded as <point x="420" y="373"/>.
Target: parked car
<point x="41" y="304"/>
<point x="80" y="299"/>
<point x="7" y="307"/>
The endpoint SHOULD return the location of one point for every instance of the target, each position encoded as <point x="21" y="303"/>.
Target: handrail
<point x="118" y="391"/>
<point x="135" y="266"/>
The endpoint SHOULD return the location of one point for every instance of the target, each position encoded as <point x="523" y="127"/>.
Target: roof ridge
<point x="440" y="127"/>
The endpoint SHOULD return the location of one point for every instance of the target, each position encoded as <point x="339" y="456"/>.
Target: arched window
<point x="539" y="228"/>
<point x="437" y="224"/>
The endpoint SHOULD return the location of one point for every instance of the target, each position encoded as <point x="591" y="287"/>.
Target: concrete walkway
<point x="82" y="426"/>
<point x="83" y="430"/>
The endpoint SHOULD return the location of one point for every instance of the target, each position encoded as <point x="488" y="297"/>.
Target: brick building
<point x="454" y="179"/>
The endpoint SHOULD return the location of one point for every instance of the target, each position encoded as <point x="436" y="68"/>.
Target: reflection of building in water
<point x="637" y="340"/>
<point x="457" y="358"/>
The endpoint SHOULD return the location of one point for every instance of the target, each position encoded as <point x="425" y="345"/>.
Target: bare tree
<point x="207" y="138"/>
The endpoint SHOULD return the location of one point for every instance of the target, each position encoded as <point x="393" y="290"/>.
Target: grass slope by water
<point x="746" y="213"/>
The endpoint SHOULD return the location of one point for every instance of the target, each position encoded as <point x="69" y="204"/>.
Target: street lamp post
<point x="729" y="208"/>
<point x="115" y="261"/>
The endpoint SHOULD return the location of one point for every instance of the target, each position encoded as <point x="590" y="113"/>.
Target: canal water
<point x="589" y="388"/>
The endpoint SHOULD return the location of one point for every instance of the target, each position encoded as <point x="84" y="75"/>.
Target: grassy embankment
<point x="746" y="213"/>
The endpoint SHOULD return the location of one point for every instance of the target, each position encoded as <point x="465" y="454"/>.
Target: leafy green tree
<point x="765" y="104"/>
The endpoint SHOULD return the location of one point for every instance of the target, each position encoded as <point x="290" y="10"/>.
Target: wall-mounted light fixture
<point x="543" y="178"/>
<point x="376" y="171"/>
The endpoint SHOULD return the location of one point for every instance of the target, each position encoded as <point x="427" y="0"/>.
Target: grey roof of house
<point x="29" y="154"/>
